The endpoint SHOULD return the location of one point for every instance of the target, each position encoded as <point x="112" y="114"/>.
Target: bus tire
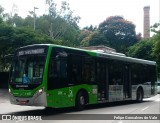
<point x="81" y="100"/>
<point x="139" y="98"/>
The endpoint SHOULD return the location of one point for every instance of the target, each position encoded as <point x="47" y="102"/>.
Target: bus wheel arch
<point x="139" y="94"/>
<point x="82" y="99"/>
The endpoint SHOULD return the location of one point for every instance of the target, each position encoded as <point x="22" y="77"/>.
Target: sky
<point x="93" y="12"/>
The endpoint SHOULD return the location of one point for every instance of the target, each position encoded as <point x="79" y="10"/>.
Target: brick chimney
<point x="146" y="26"/>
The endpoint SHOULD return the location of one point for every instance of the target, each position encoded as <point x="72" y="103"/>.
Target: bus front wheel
<point x="139" y="95"/>
<point x="80" y="101"/>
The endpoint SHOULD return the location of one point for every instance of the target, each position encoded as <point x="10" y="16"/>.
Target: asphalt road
<point x="118" y="112"/>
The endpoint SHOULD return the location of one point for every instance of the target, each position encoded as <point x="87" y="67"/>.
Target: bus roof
<point x="99" y="54"/>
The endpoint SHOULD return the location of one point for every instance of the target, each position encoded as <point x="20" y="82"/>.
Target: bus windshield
<point x="27" y="69"/>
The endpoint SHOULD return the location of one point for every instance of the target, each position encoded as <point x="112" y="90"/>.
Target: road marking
<point x="19" y="120"/>
<point x="158" y="100"/>
<point x="145" y="108"/>
<point x="120" y="122"/>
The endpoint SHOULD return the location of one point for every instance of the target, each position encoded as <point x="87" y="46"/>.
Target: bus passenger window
<point x="75" y="73"/>
<point x="75" y="68"/>
<point x="58" y="68"/>
<point x="57" y="77"/>
<point x="88" y="70"/>
<point x="85" y="73"/>
<point x="116" y="73"/>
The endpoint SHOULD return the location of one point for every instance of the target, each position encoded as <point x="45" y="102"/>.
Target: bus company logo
<point x="6" y="117"/>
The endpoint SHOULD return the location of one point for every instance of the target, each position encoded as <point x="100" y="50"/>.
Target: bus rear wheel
<point x="80" y="101"/>
<point x="139" y="95"/>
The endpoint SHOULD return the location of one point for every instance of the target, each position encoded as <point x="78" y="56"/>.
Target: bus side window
<point x="75" y="68"/>
<point x="115" y="73"/>
<point x="75" y="73"/>
<point x="57" y="77"/>
<point x="50" y="72"/>
<point x="88" y="70"/>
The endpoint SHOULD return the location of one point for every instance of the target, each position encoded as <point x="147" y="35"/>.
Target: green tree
<point x="90" y="28"/>
<point x="156" y="38"/>
<point x="6" y="33"/>
<point x="12" y="38"/>
<point x="143" y="50"/>
<point x="119" y="32"/>
<point x="148" y="48"/>
<point x="98" y="39"/>
<point x="61" y="21"/>
<point x="28" y="22"/>
<point x="15" y="21"/>
<point x="2" y="14"/>
<point x="156" y="48"/>
<point x="94" y="39"/>
<point x="59" y="24"/>
<point x="84" y="37"/>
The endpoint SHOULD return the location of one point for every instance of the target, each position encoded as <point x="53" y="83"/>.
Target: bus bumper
<point x="36" y="100"/>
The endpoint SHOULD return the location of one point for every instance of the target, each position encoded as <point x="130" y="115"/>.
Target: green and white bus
<point x="57" y="76"/>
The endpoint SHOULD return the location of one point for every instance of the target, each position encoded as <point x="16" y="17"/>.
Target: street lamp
<point x="34" y="14"/>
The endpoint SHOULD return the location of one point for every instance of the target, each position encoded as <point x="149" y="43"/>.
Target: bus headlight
<point x="9" y="90"/>
<point x="40" y="90"/>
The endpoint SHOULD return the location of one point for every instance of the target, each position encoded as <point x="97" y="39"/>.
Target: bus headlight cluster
<point x="9" y="90"/>
<point x="40" y="90"/>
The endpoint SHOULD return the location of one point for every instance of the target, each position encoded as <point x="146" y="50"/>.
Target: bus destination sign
<point x="31" y="51"/>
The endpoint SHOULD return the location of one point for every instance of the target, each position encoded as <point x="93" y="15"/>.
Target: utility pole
<point x="34" y="14"/>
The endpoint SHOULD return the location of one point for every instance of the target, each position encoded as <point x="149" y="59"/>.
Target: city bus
<point x="57" y="76"/>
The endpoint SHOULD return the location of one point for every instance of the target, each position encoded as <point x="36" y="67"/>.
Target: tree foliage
<point x="90" y="28"/>
<point x="12" y="38"/>
<point x="59" y="24"/>
<point x="143" y="50"/>
<point x="62" y="23"/>
<point x="119" y="32"/>
<point x="93" y="39"/>
<point x="156" y="39"/>
<point x="148" y="48"/>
